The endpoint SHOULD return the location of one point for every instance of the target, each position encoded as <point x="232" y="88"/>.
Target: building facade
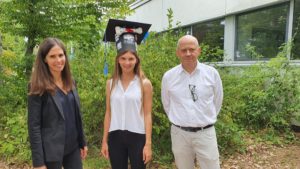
<point x="239" y="27"/>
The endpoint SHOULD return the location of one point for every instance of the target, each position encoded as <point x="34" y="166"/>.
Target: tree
<point x="0" y="45"/>
<point x="78" y="20"/>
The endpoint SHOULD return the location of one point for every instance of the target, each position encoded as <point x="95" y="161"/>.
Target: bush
<point x="258" y="97"/>
<point x="13" y="86"/>
<point x="265" y="95"/>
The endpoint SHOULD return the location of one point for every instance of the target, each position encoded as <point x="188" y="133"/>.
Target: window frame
<point x="235" y="58"/>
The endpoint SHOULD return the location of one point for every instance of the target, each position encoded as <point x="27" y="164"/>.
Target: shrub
<point x="13" y="86"/>
<point x="258" y="97"/>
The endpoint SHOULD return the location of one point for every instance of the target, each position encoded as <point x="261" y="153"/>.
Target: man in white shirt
<point x="192" y="96"/>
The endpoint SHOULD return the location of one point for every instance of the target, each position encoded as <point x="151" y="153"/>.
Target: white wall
<point x="151" y="12"/>
<point x="237" y="6"/>
<point x="191" y="11"/>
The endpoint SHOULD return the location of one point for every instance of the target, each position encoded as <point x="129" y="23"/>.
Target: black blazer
<point x="46" y="127"/>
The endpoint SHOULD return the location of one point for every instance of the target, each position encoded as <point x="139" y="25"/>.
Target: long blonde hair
<point x="117" y="73"/>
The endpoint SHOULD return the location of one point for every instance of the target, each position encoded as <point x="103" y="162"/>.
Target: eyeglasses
<point x="193" y="92"/>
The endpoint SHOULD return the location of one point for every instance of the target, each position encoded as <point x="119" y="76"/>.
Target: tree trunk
<point x="32" y="34"/>
<point x="1" y="48"/>
<point x="29" y="55"/>
<point x="29" y="47"/>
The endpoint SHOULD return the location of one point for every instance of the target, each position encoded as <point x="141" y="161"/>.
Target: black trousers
<point x="123" y="144"/>
<point x="70" y="161"/>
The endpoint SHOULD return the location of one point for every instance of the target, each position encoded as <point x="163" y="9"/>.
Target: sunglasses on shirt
<point x="193" y="92"/>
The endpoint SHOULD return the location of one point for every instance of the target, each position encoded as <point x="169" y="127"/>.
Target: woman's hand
<point x="147" y="153"/>
<point x="83" y="152"/>
<point x="104" y="150"/>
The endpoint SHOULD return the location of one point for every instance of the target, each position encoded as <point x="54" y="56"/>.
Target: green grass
<point x="96" y="163"/>
<point x="94" y="160"/>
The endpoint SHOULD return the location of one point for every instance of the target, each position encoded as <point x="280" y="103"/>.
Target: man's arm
<point x="164" y="95"/>
<point x="218" y="92"/>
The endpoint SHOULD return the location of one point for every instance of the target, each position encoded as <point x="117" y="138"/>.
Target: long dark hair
<point x="41" y="78"/>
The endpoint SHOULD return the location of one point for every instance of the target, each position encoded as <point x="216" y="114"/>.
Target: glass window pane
<point x="211" y="38"/>
<point x="183" y="30"/>
<point x="296" y="31"/>
<point x="260" y="33"/>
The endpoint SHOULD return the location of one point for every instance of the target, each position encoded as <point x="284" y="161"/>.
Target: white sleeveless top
<point x="126" y="107"/>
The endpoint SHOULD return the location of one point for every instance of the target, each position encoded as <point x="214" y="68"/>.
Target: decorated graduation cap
<point x="126" y="34"/>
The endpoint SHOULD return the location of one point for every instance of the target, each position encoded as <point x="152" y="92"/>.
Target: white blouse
<point x="126" y="111"/>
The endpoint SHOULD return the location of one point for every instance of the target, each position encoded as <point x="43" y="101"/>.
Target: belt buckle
<point x="191" y="129"/>
<point x="195" y="129"/>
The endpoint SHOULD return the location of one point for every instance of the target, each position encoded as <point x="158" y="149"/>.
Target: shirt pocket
<point x="205" y="91"/>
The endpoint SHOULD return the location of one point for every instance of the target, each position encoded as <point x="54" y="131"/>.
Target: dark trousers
<point x="70" y="161"/>
<point x="123" y="145"/>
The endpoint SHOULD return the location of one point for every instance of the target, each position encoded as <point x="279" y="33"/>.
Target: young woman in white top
<point x="128" y="122"/>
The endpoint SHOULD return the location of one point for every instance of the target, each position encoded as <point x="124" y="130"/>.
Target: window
<point x="261" y="33"/>
<point x="211" y="38"/>
<point x="183" y="30"/>
<point x="296" y="31"/>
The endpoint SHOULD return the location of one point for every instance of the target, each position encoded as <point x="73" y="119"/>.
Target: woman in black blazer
<point x="54" y="118"/>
